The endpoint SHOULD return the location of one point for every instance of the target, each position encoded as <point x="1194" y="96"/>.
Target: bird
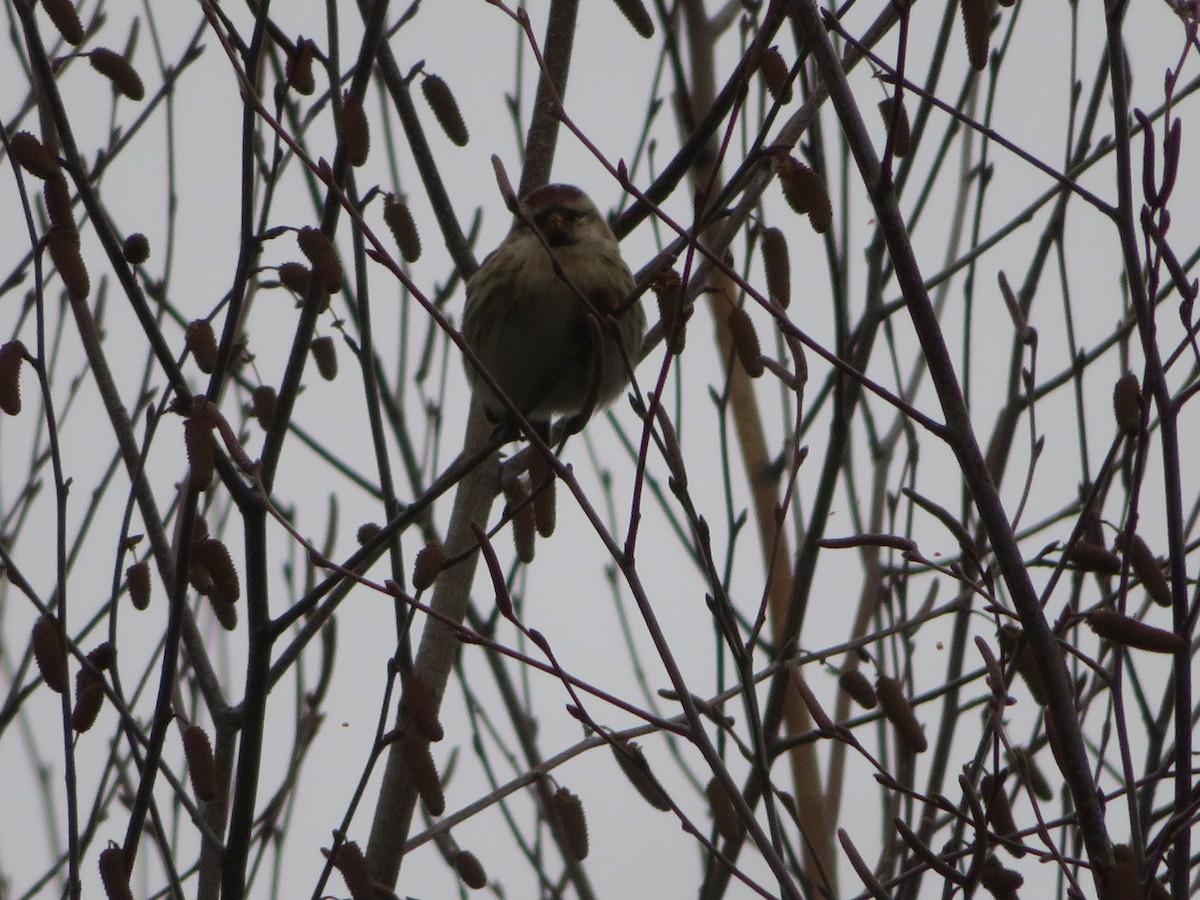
<point x="527" y="322"/>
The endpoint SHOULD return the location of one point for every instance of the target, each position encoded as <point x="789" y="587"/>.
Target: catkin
<point x="639" y="18"/>
<point x="202" y="768"/>
<point x="1127" y="404"/>
<point x="1089" y="557"/>
<point x="445" y="109"/>
<point x="568" y="810"/>
<point x="899" y="711"/>
<point x="428" y="566"/>
<point x="137" y="579"/>
<point x="63" y="244"/>
<point x="264" y="400"/>
<point x="543" y="482"/>
<point x="1126" y="630"/>
<point x="12" y="355"/>
<point x="777" y="265"/>
<point x="117" y="69"/>
<point x="805" y="192"/>
<point x="33" y="156"/>
<point x="48" y="653"/>
<point x="668" y="292"/>
<point x="977" y="26"/>
<point x="349" y="860"/>
<point x="745" y="342"/>
<point x="299" y="68"/>
<point x="524" y="526"/>
<point x="326" y="266"/>
<point x="400" y="222"/>
<point x="724" y="813"/>
<point x="470" y="870"/>
<point x="859" y="688"/>
<point x="775" y="75"/>
<point x="895" y="117"/>
<point x="201" y="342"/>
<point x="62" y="13"/>
<point x="201" y="452"/>
<point x="421" y="708"/>
<point x="423" y="772"/>
<point x="214" y="557"/>
<point x="89" y="697"/>
<point x="324" y="353"/>
<point x="57" y="194"/>
<point x="629" y="757"/>
<point x="114" y="873"/>
<point x="1141" y="557"/>
<point x="296" y="277"/>
<point x="356" y="131"/>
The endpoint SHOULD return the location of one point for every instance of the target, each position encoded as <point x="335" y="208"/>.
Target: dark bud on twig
<point x="445" y="109"/>
<point x="427" y="566"/>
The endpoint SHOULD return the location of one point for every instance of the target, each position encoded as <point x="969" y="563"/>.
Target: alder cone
<point x="136" y="248"/>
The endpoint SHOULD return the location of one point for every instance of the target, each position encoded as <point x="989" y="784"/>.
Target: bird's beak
<point x="557" y="229"/>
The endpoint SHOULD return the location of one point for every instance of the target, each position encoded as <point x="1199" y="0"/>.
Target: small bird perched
<point x="528" y="324"/>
